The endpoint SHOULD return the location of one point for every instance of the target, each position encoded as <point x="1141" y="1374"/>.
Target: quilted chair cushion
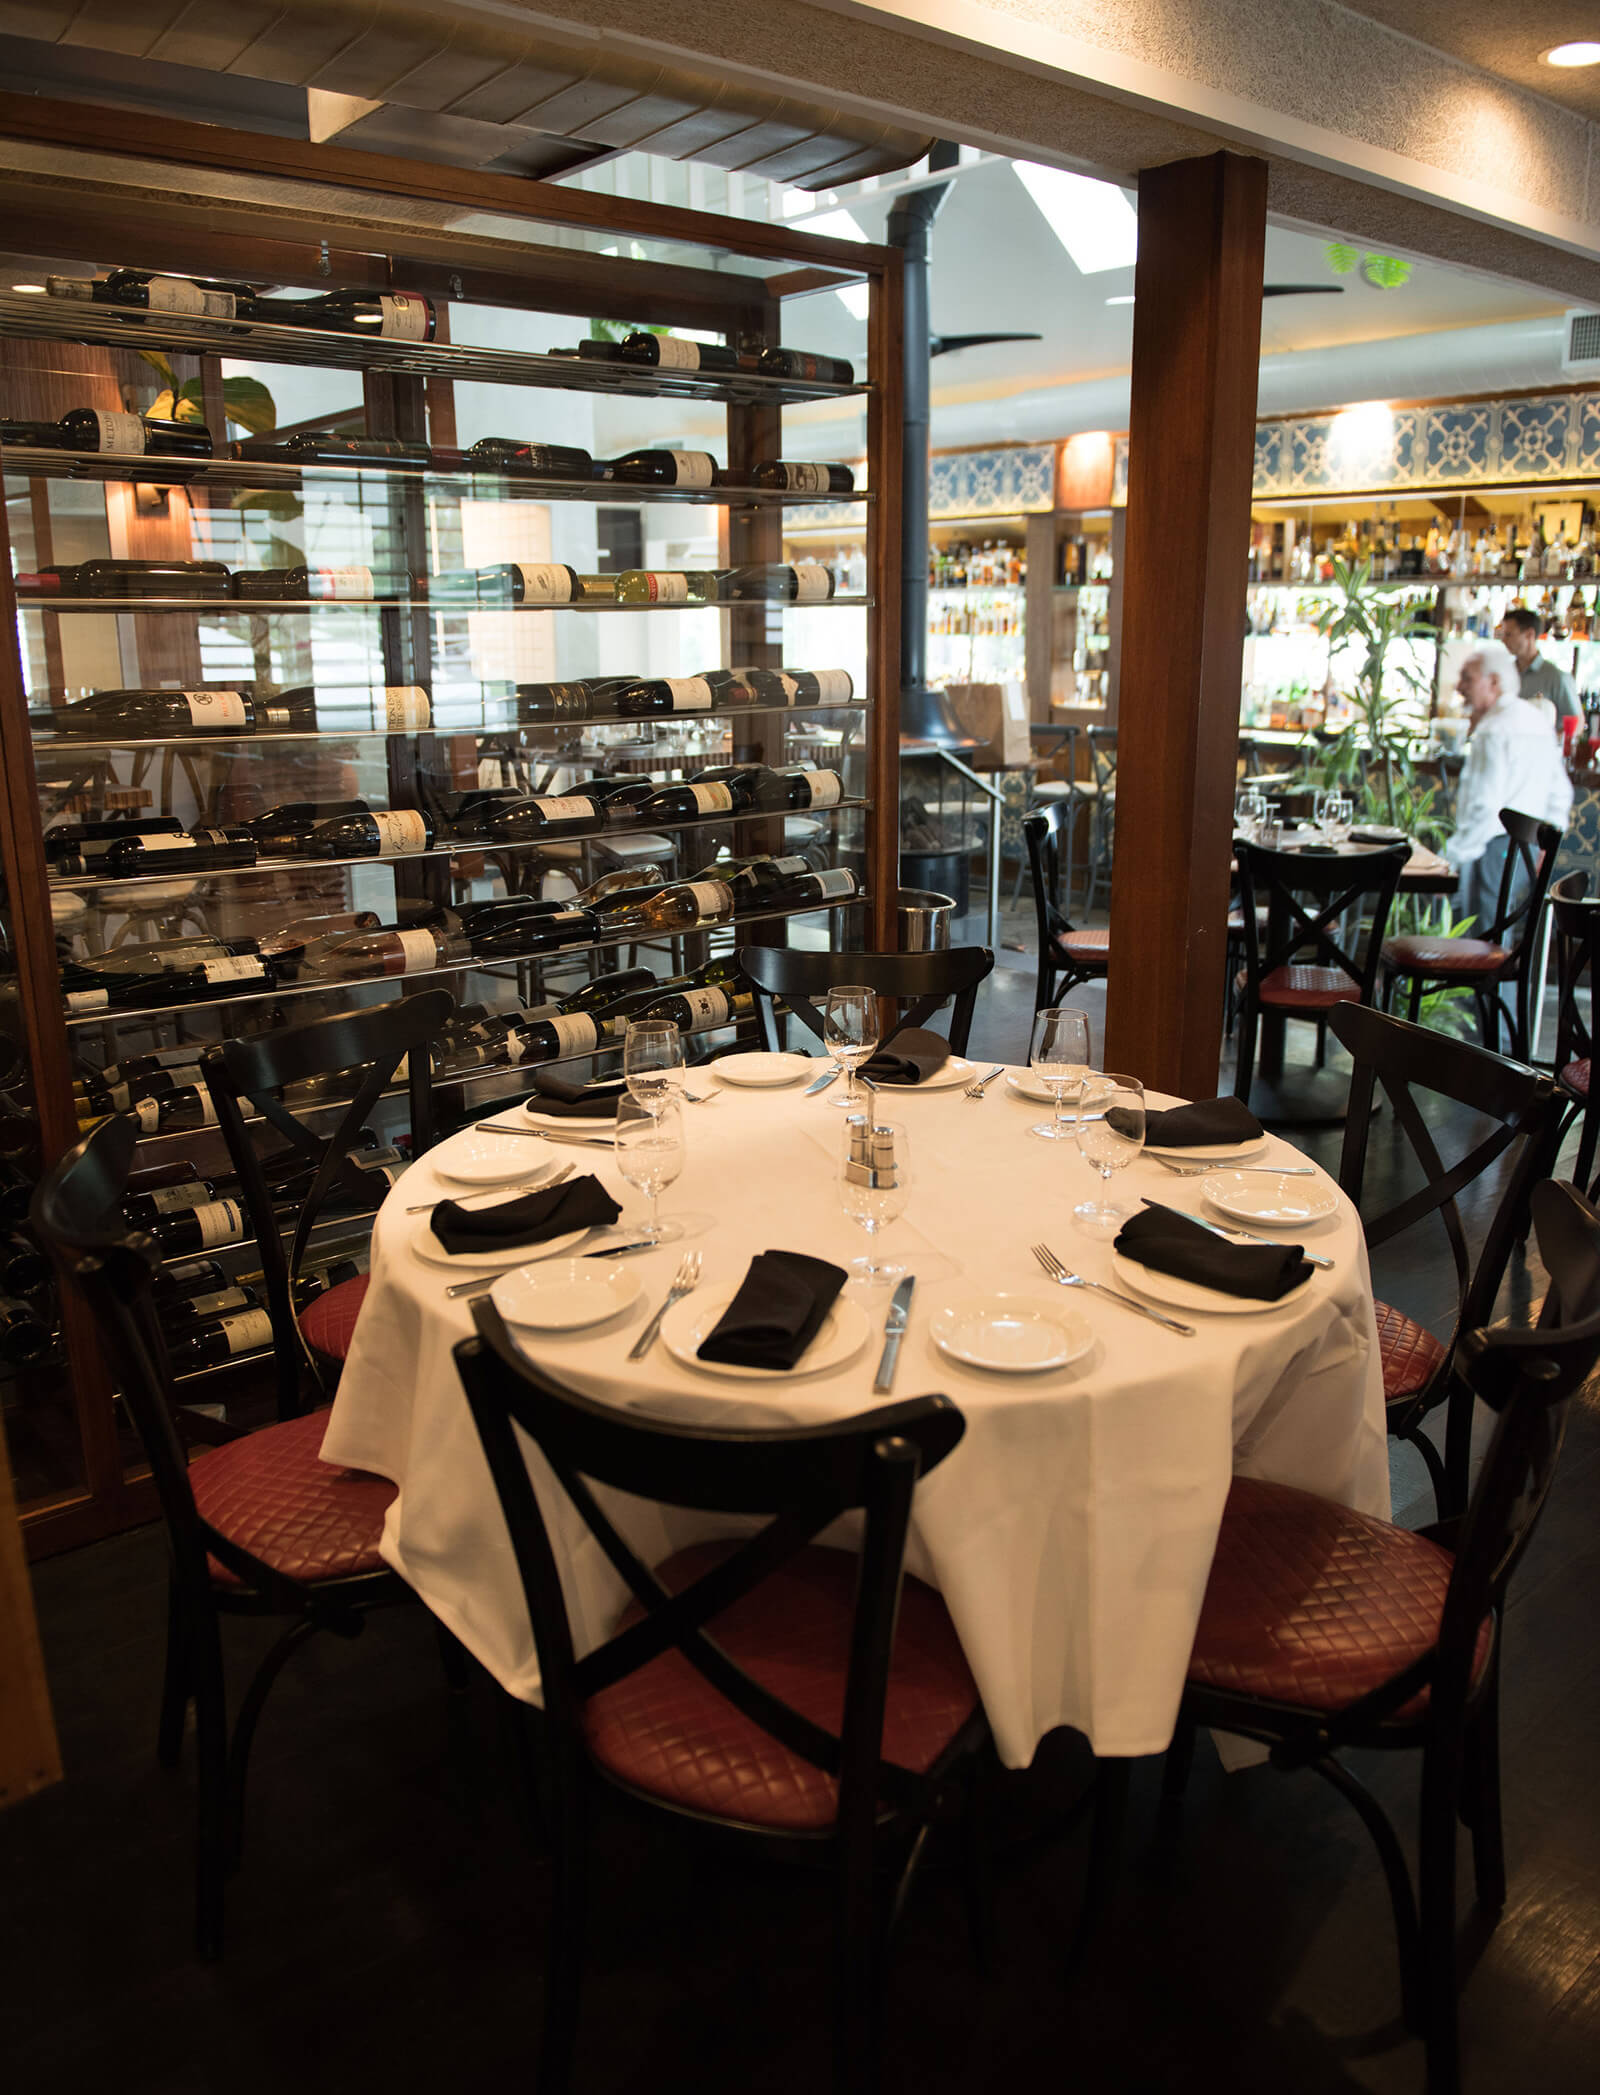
<point x="1312" y="1605"/>
<point x="1444" y="956"/>
<point x="665" y="1730"/>
<point x="1309" y="988"/>
<point x="329" y="1324"/>
<point x="272" y="1494"/>
<point x="1410" y="1354"/>
<point x="1575" y="1077"/>
<point x="1085" y="948"/>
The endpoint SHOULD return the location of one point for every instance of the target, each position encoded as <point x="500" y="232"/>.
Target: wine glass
<point x="1338" y="816"/>
<point x="1319" y="808"/>
<point x="1060" y="1055"/>
<point x="652" y="1061"/>
<point x="874" y="1186"/>
<point x="851" y="1029"/>
<point x="1248" y="811"/>
<point x="650" y="1155"/>
<point x="1110" y="1135"/>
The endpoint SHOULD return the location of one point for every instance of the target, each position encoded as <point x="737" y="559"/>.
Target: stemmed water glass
<point x="874" y="1186"/>
<point x="652" y="1061"/>
<point x="1060" y="1057"/>
<point x="1338" y="813"/>
<point x="851" y="1029"/>
<point x="1249" y="811"/>
<point x="650" y="1155"/>
<point x="1110" y="1134"/>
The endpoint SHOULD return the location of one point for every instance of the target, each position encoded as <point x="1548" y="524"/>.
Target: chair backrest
<point x="1043" y="831"/>
<point x="797" y="1479"/>
<point x="1103" y="754"/>
<point x="1531" y="847"/>
<point x="1577" y="922"/>
<point x="1307" y="895"/>
<point x="921" y="982"/>
<point x="76" y="1216"/>
<point x="368" y="1046"/>
<point x="1411" y="1062"/>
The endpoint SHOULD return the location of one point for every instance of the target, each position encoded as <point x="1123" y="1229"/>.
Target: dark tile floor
<point x="385" y="1932"/>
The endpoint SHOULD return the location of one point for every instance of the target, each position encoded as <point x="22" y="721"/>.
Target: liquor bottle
<point x="158" y="715"/>
<point x="24" y="1269"/>
<point x="284" y="831"/>
<point x="693" y="469"/>
<point x="539" y="817"/>
<point x="371" y="955"/>
<point x="198" y="851"/>
<point x="298" y="585"/>
<point x="520" y="461"/>
<point x="112" y="429"/>
<point x="517" y="936"/>
<point x="334" y="447"/>
<point x="637" y="585"/>
<point x="652" y="695"/>
<point x="339" y="709"/>
<point x="128" y="578"/>
<point x="801" y="364"/>
<point x="685" y="906"/>
<point x="524" y="582"/>
<point x="201" y="297"/>
<point x="392" y="833"/>
<point x="394" y="316"/>
<point x="24" y="1335"/>
<point x="808" y="582"/>
<point x="176" y="1311"/>
<point x="213" y="1345"/>
<point x="663" y="352"/>
<point x="204" y="1228"/>
<point x="540" y="702"/>
<point x="800" y="687"/>
<point x="791" y="477"/>
<point x="177" y="1112"/>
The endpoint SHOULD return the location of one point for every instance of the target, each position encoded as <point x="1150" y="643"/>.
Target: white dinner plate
<point x="1027" y="1085"/>
<point x="1259" y="1196"/>
<point x="488" y="1160"/>
<point x="844" y="1332"/>
<point x="1212" y="1152"/>
<point x="956" y="1071"/>
<point x="565" y="1294"/>
<point x="1173" y="1293"/>
<point x="432" y="1253"/>
<point x="761" y="1069"/>
<point x="1012" y="1334"/>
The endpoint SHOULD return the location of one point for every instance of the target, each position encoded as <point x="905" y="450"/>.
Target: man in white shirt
<point x="1514" y="761"/>
<point x="1545" y="684"/>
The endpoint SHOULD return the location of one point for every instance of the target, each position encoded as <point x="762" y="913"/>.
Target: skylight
<point x="1093" y="220"/>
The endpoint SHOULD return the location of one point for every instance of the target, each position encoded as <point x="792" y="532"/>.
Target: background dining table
<point x="1072" y="1530"/>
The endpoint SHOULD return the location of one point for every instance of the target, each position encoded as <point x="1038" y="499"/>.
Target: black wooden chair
<point x="1299" y="965"/>
<point x="1577" y="932"/>
<point x="921" y="982"/>
<point x="815" y="1702"/>
<point x="1416" y="1067"/>
<point x="258" y="1526"/>
<point x="247" y="1076"/>
<point x="1503" y="952"/>
<point x="1323" y="1628"/>
<point x="1067" y="956"/>
<point x="1103" y="817"/>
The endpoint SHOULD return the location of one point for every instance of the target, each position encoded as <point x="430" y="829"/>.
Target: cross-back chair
<point x="920" y="982"/>
<point x="1577" y="933"/>
<point x="810" y="1700"/>
<point x="1067" y="956"/>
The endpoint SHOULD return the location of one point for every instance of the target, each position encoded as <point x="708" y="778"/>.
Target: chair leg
<point x="1415" y="1009"/>
<point x="977" y="1837"/>
<point x="1483" y="1791"/>
<point x="1401" y="1901"/>
<point x="1437" y="1474"/>
<point x="1441" y="1783"/>
<point x="564" y="1956"/>
<point x="1105" y="1850"/>
<point x="175" y="1686"/>
<point x="1245" y="1054"/>
<point x="857" y="1968"/>
<point x="244" y="1730"/>
<point x="211" y="1794"/>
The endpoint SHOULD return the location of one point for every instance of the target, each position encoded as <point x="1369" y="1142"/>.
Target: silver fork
<point x="684" y="1282"/>
<point x="1059" y="1273"/>
<point x="1199" y="1170"/>
<point x="978" y="1088"/>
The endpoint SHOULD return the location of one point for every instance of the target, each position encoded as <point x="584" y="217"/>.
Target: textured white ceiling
<point x="1505" y="40"/>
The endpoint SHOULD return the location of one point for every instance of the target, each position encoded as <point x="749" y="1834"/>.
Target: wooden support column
<point x="1191" y="449"/>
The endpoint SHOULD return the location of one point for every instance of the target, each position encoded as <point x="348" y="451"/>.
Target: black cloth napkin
<point x="777" y="1312"/>
<point x="1171" y="1243"/>
<point x="563" y="1100"/>
<point x="1196" y="1126"/>
<point x="532" y="1218"/>
<point x="911" y="1057"/>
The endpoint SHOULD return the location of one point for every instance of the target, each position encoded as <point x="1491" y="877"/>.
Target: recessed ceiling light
<point x="33" y="290"/>
<point x="1572" y="54"/>
<point x="1123" y="298"/>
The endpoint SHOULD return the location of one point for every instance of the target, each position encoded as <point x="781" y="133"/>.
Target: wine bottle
<point x="184" y="1276"/>
<point x="176" y="1311"/>
<point x="24" y="1269"/>
<point x="568" y="1033"/>
<point x="240" y="974"/>
<point x="111" y="429"/>
<point x="524" y="582"/>
<point x="652" y="695"/>
<point x="689" y="800"/>
<point x="637" y="585"/>
<point x="16" y="1193"/>
<point x="354" y="709"/>
<point x="811" y="369"/>
<point x="205" y="1228"/>
<point x="523" y="461"/>
<point x="133" y="1067"/>
<point x="213" y="1345"/>
<point x="158" y="715"/>
<point x="394" y="316"/>
<point x="298" y="585"/>
<point x="685" y="906"/>
<point x="200" y="297"/>
<point x="544" y="934"/>
<point x="539" y="817"/>
<point x="800" y="687"/>
<point x="779" y="790"/>
<point x="700" y="1010"/>
<point x="313" y="1281"/>
<point x="334" y="447"/>
<point x="284" y="831"/>
<point x="85" y="840"/>
<point x="24" y="1334"/>
<point x="808" y="582"/>
<point x="639" y="875"/>
<point x="144" y="1208"/>
<point x="371" y="955"/>
<point x="392" y="833"/>
<point x="665" y="353"/>
<point x="286" y="948"/>
<point x="198" y="851"/>
<point x="619" y="799"/>
<point x="791" y="477"/>
<point x="754" y="880"/>
<point x="176" y="1112"/>
<point x="128" y="578"/>
<point x="694" y="469"/>
<point x="539" y="702"/>
<point x="814" y="889"/>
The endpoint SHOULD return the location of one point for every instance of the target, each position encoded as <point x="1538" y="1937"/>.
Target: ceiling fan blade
<point x="941" y="345"/>
<point x="1302" y="290"/>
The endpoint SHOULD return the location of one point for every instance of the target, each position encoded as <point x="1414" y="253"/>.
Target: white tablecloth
<point x="1071" y="1531"/>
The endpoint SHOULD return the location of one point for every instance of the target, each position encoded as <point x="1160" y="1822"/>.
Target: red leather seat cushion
<point x="1313" y="1605"/>
<point x="1309" y="988"/>
<point x="667" y="1731"/>
<point x="1084" y="948"/>
<point x="1576" y="1077"/>
<point x="273" y="1495"/>
<point x="1410" y="1354"/>
<point x="330" y="1323"/>
<point x="1444" y="956"/>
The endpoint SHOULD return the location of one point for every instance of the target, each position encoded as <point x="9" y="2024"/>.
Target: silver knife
<point x="827" y="1077"/>
<point x="1227" y="1235"/>
<point x="894" y="1330"/>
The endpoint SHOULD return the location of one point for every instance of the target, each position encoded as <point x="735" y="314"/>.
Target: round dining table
<point x="1071" y="1531"/>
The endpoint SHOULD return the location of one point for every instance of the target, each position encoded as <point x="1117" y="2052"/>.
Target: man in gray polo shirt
<point x="1541" y="678"/>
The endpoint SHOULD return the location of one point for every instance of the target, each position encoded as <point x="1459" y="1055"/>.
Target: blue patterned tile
<point x="1534" y="436"/>
<point x="1588" y="437"/>
<point x="1269" y="456"/>
<point x="993" y="483"/>
<point x="1455" y="443"/>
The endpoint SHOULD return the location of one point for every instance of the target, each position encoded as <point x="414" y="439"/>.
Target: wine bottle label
<point x="239" y="967"/>
<point x="666" y="588"/>
<point x="406" y="706"/>
<point x="171" y="844"/>
<point x="400" y="831"/>
<point x="803" y="478"/>
<point x="215" y="709"/>
<point x="689" y="694"/>
<point x="568" y="807"/>
<point x="835" y="687"/>
<point x="219" y="1222"/>
<point x="148" y="1111"/>
<point x="835" y="883"/>
<point x="693" y="468"/>
<point x="544" y="585"/>
<point x="405" y="317"/>
<point x="710" y="896"/>
<point x="88" y="999"/>
<point x="791" y="689"/>
<point x="675" y="355"/>
<point x="576" y="1033"/>
<point x="175" y="294"/>
<point x="707" y="1008"/>
<point x="217" y="837"/>
<point x="217" y="1304"/>
<point x="825" y="787"/>
<point x="246" y="1334"/>
<point x="345" y="582"/>
<point x="166" y="1200"/>
<point x="812" y="582"/>
<point x="789" y="868"/>
<point x="712" y="800"/>
<point x="418" y="949"/>
<point x="119" y="432"/>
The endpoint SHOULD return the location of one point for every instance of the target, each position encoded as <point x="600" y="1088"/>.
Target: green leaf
<point x="160" y="366"/>
<point x="271" y="501"/>
<point x="160" y="409"/>
<point x="249" y="403"/>
<point x="1342" y="257"/>
<point x="1385" y="272"/>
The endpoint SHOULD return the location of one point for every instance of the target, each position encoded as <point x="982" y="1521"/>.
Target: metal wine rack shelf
<point x="239" y="607"/>
<point x="124" y="327"/>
